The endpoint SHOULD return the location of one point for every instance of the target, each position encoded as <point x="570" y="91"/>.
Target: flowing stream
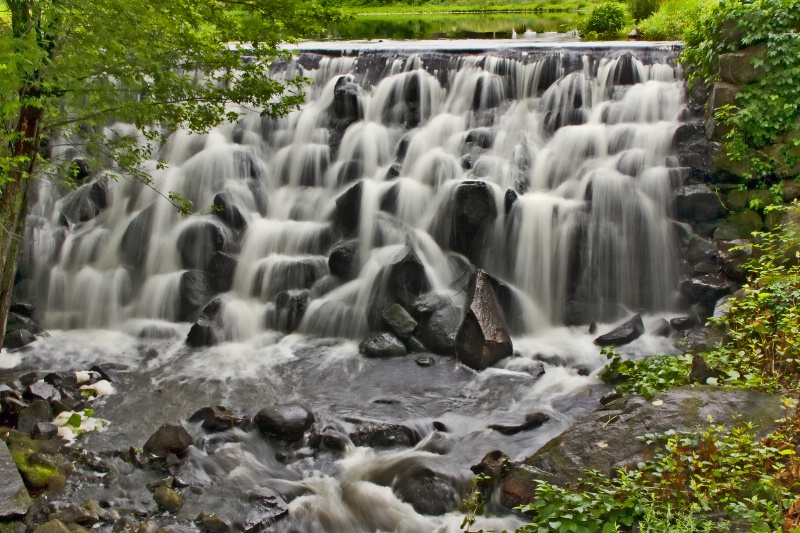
<point x="394" y="155"/>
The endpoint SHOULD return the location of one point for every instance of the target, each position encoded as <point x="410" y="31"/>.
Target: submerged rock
<point x="483" y="339"/>
<point x="287" y="421"/>
<point x="428" y="493"/>
<point x="532" y="421"/>
<point x="168" y="499"/>
<point x="624" y="334"/>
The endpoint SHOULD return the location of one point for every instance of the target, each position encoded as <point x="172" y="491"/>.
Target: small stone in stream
<point x="58" y="379"/>
<point x="44" y="431"/>
<point x="216" y="418"/>
<point x="166" y="482"/>
<point x="288" y="421"/>
<point x="74" y="514"/>
<point x="29" y="379"/>
<point x="108" y="372"/>
<point x="425" y="361"/>
<point x="37" y="411"/>
<point x="493" y="465"/>
<point x="169" y="438"/>
<point x="386" y="435"/>
<point x="53" y="526"/>
<point x="662" y="328"/>
<point x="42" y="390"/>
<point x="147" y="527"/>
<point x="213" y="523"/>
<point x="583" y="370"/>
<point x="592" y="328"/>
<point x="610" y="397"/>
<point x="126" y="525"/>
<point x="167" y="499"/>
<point x="439" y="426"/>
<point x="532" y="421"/>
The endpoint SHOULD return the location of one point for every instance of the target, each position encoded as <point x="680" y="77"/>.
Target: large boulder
<point x="399" y="321"/>
<point x="401" y="280"/>
<point x="607" y="438"/>
<point x="14" y="499"/>
<point x="624" y="334"/>
<point x="345" y="108"/>
<point x="290" y="306"/>
<point x="439" y="319"/>
<point x="229" y="212"/>
<point x="698" y="203"/>
<point x="346" y="217"/>
<point x="722" y="94"/>
<point x="85" y="203"/>
<point x="705" y="291"/>
<point x="428" y="493"/>
<point x="740" y="67"/>
<point x="343" y="260"/>
<point x="287" y="421"/>
<point x="482" y="339"/>
<point x="135" y="242"/>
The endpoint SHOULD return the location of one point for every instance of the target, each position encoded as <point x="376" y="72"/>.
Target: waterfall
<point x="547" y="167"/>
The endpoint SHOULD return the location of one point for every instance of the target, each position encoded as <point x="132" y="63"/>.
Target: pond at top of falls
<point x="408" y="167"/>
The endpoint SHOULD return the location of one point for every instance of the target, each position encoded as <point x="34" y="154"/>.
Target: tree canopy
<point x="73" y="67"/>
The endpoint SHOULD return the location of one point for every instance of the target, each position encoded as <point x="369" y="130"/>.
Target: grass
<point x="489" y="6"/>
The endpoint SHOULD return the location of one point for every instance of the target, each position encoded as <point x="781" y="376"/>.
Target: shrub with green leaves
<point x="672" y="19"/>
<point x="606" y="21"/>
<point x="641" y="9"/>
<point x="765" y="121"/>
<point x="647" y="376"/>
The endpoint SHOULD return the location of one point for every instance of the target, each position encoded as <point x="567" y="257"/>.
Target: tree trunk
<point x="14" y="204"/>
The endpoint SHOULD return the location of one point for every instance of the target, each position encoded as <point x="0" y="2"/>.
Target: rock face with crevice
<point x="606" y="439"/>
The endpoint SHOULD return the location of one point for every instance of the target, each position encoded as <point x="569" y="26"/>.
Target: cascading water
<point x="548" y="168"/>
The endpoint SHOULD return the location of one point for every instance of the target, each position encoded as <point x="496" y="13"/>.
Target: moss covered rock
<point x="168" y="499"/>
<point x="39" y="462"/>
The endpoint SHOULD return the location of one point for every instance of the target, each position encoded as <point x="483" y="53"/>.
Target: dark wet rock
<point x="126" y="524"/>
<point x="196" y="290"/>
<point x="23" y="309"/>
<point x="290" y="307"/>
<point x="699" y="249"/>
<point x="217" y="418"/>
<point x="493" y="465"/>
<point x="482" y="339"/>
<point x="682" y="323"/>
<point x="414" y="345"/>
<point x="84" y="203"/>
<point x="698" y="203"/>
<point x="481" y="137"/>
<point x="62" y="380"/>
<point x="624" y="334"/>
<point x="199" y="242"/>
<point x="168" y="499"/>
<point x="425" y="361"/>
<point x="350" y="171"/>
<point x="346" y="109"/>
<point x="42" y="390"/>
<point x="386" y="435"/>
<point x="705" y="291"/>
<point x="592" y="328"/>
<point x="228" y="212"/>
<point x="323" y="286"/>
<point x="330" y="439"/>
<point x="532" y="421"/>
<point x="606" y="439"/>
<point x="474" y="209"/>
<point x="437" y="442"/>
<point x="394" y="172"/>
<point x="661" y="328"/>
<point x="16" y="322"/>
<point x="44" y="431"/>
<point x="211" y="522"/>
<point x="29" y="379"/>
<point x="426" y="491"/>
<point x="701" y="372"/>
<point x="731" y="256"/>
<point x="204" y="332"/>
<point x="14" y="499"/>
<point x="401" y="280"/>
<point x="287" y="421"/>
<point x="169" y="438"/>
<point x="39" y="462"/>
<point x="380" y="345"/>
<point x="343" y="260"/>
<point x="37" y="411"/>
<point x="438" y="327"/>
<point x="348" y="208"/>
<point x="109" y="372"/>
<point x="266" y="510"/>
<point x="399" y="321"/>
<point x="221" y="269"/>
<point x="18" y="339"/>
<point x="509" y="200"/>
<point x="135" y="243"/>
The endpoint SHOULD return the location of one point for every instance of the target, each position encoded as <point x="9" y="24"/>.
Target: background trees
<point x="74" y="66"/>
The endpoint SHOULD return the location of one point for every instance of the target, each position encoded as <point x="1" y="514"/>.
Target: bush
<point x="672" y="20"/>
<point x="607" y="20"/>
<point x="641" y="9"/>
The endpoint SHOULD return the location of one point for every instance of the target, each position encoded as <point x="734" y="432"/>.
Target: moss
<point x="40" y="470"/>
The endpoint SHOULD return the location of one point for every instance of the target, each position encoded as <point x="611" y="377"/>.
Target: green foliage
<point x="726" y="474"/>
<point x="641" y="9"/>
<point x="767" y="111"/>
<point x="606" y="21"/>
<point x="672" y="19"/>
<point x="647" y="376"/>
